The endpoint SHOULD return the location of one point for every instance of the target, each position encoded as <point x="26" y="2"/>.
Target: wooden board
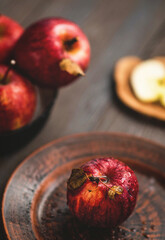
<point x="34" y="203"/>
<point x="122" y="73"/>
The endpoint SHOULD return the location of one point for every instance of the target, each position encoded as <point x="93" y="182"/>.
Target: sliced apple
<point x="148" y="81"/>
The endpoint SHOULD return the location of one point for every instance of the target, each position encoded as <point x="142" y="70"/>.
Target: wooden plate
<point x="34" y="202"/>
<point x="122" y="72"/>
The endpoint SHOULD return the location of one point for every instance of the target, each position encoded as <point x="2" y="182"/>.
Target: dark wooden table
<point x="115" y="28"/>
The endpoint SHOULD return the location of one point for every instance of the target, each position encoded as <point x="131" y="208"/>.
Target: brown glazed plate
<point x="34" y="203"/>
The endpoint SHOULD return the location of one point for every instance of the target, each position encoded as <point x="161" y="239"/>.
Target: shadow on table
<point x="130" y="112"/>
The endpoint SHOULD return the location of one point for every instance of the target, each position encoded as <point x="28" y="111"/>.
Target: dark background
<point x="115" y="28"/>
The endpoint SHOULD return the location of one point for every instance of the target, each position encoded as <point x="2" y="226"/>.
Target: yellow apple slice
<point x="148" y="81"/>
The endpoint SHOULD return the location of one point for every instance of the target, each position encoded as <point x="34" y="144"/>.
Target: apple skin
<point x="10" y="31"/>
<point x="41" y="48"/>
<point x="91" y="204"/>
<point x="17" y="100"/>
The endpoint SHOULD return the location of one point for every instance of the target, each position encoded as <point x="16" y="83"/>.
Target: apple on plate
<point x="10" y="31"/>
<point x="17" y="100"/>
<point x="53" y="52"/>
<point x="102" y="192"/>
<point x="148" y="81"/>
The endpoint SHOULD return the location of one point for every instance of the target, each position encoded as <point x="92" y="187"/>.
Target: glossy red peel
<point x="106" y="196"/>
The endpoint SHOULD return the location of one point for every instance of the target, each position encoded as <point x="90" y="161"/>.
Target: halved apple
<point x="148" y="81"/>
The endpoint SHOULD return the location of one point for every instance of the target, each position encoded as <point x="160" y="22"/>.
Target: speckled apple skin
<point x="40" y="50"/>
<point x="10" y="31"/>
<point x="17" y="101"/>
<point x="94" y="207"/>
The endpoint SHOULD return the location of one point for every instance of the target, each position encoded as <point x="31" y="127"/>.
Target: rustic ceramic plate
<point x="34" y="203"/>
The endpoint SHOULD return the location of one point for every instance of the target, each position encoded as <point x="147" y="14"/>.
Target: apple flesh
<point x="10" y="31"/>
<point x="102" y="192"/>
<point x="53" y="52"/>
<point x="17" y="100"/>
<point x="148" y="81"/>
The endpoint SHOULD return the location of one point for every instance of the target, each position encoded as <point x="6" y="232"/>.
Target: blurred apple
<point x="102" y="192"/>
<point x="10" y="31"/>
<point x="17" y="100"/>
<point x="148" y="81"/>
<point x="53" y="51"/>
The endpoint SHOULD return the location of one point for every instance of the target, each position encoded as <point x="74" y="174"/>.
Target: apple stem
<point x="69" y="43"/>
<point x="12" y="63"/>
<point x="97" y="179"/>
<point x="101" y="179"/>
<point x="104" y="184"/>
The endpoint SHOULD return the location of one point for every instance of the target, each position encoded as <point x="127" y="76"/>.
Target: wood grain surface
<point x="35" y="205"/>
<point x="115" y="29"/>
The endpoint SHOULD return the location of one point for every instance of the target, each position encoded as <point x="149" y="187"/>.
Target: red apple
<point x="102" y="192"/>
<point x="53" y="52"/>
<point x="10" y="31"/>
<point x="17" y="100"/>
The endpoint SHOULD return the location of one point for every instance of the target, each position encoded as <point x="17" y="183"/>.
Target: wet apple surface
<point x="102" y="192"/>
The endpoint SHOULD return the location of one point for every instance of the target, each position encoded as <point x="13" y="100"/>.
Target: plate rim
<point x="118" y="134"/>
